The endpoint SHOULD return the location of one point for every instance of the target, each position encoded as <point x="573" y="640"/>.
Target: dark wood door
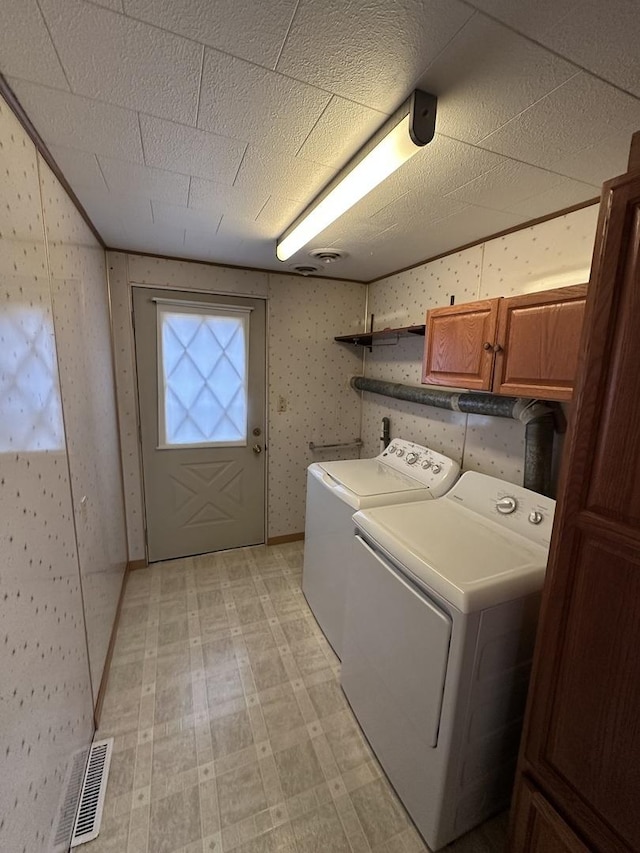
<point x="458" y="349"/>
<point x="581" y="747"/>
<point x="538" y="343"/>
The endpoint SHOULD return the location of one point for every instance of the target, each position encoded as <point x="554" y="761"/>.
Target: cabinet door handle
<point x="497" y="348"/>
<point x="486" y="345"/>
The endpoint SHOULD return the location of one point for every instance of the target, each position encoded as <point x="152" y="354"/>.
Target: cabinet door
<point x="539" y="341"/>
<point x="538" y="828"/>
<point x="458" y="349"/>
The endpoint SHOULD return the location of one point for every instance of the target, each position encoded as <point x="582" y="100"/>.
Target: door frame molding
<point x="134" y="366"/>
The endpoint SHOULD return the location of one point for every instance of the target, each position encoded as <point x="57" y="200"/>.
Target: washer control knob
<point x="412" y="458"/>
<point x="399" y="452"/>
<point x="506" y="505"/>
<point x="392" y="448"/>
<point x="426" y="464"/>
<point x="535" y="517"/>
<point x="436" y="468"/>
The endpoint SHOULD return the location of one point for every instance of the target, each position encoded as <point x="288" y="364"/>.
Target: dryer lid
<point x="469" y="560"/>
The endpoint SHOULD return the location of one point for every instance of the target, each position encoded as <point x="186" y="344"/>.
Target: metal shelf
<point x="368" y="339"/>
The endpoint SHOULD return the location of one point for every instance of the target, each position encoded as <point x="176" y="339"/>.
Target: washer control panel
<point x="432" y="470"/>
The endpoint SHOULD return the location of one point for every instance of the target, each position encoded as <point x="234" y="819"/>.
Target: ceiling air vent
<point x="327" y="256"/>
<point x="304" y="269"/>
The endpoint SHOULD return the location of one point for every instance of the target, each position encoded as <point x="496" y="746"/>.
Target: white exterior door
<point x="201" y="391"/>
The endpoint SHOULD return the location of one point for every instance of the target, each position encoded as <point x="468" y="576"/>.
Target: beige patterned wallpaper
<point x="83" y="339"/>
<point x="551" y="254"/>
<point x="46" y="707"/>
<point x="307" y="370"/>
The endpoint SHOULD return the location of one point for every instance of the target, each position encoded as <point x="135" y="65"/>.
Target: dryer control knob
<point x="436" y="468"/>
<point x="426" y="464"/>
<point x="392" y="448"/>
<point x="399" y="452"/>
<point x="506" y="505"/>
<point x="412" y="458"/>
<point x="535" y="517"/>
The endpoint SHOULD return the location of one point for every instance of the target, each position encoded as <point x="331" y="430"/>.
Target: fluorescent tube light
<point x="399" y="139"/>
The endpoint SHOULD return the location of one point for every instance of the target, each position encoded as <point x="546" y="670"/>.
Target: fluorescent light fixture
<point x="402" y="136"/>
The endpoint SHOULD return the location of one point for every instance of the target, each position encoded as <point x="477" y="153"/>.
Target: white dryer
<point x="335" y="490"/>
<point x="440" y="622"/>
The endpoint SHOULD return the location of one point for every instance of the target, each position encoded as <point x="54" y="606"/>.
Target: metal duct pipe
<point x="539" y="419"/>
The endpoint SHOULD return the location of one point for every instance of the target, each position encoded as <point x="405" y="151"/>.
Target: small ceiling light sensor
<point x="327" y="256"/>
<point x="410" y="128"/>
<point x="304" y="269"/>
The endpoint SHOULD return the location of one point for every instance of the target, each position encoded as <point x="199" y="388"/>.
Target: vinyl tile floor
<point x="231" y="730"/>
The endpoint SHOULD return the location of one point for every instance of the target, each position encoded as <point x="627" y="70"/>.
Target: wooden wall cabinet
<point x="580" y="752"/>
<point x="521" y="345"/>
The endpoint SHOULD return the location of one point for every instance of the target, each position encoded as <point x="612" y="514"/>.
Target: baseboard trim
<point x="107" y="662"/>
<point x="281" y="540"/>
<point x="132" y="565"/>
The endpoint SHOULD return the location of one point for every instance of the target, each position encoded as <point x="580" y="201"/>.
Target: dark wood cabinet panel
<point x="538" y="343"/>
<point x="538" y="828"/>
<point x="581" y="742"/>
<point x="459" y="345"/>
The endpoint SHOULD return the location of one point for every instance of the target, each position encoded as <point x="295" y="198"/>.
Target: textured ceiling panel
<point x="508" y="184"/>
<point x="80" y="168"/>
<point x="487" y="75"/>
<point x="577" y="114"/>
<point x="130" y="179"/>
<point x="229" y="117"/>
<point x="601" y="37"/>
<point x="22" y="24"/>
<point x="192" y="152"/>
<point x="342" y="129"/>
<point x="113" y="58"/>
<point x="257" y="105"/>
<point x="255" y="30"/>
<point x="244" y="202"/>
<point x="64" y="119"/>
<point x="370" y="51"/>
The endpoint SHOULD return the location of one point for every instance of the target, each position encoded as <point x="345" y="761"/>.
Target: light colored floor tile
<point x="232" y="732"/>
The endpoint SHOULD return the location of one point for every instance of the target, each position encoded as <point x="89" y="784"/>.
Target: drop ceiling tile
<point x="294" y="178"/>
<point x="114" y="216"/>
<point x="278" y="213"/>
<point x="600" y="162"/>
<point x="580" y="113"/>
<point x="22" y="24"/>
<point x="529" y="18"/>
<point x="176" y="216"/>
<point x="131" y="179"/>
<point x="155" y="239"/>
<point x="412" y="206"/>
<point x="115" y="5"/>
<point x="244" y="202"/>
<point x="601" y="37"/>
<point x="564" y="194"/>
<point x="116" y="59"/>
<point x="178" y="148"/>
<point x="276" y="112"/>
<point x="487" y="75"/>
<point x="370" y="52"/>
<point x="506" y="185"/>
<point x="249" y="30"/>
<point x="342" y="129"/>
<point x="80" y="168"/>
<point x="76" y="122"/>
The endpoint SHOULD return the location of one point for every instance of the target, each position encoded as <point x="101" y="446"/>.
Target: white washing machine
<point x="335" y="490"/>
<point x="440" y="623"/>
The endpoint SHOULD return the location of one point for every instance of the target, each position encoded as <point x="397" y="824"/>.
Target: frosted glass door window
<point x="203" y="356"/>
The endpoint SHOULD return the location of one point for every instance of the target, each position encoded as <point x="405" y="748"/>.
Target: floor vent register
<point x="94" y="788"/>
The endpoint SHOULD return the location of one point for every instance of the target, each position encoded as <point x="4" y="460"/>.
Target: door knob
<point x="257" y="449"/>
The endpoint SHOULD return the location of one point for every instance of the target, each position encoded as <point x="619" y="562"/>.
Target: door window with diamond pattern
<point x="202" y="382"/>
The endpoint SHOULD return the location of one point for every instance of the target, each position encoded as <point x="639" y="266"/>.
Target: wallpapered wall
<point x="309" y="395"/>
<point x="56" y="407"/>
<point x="552" y="254"/>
